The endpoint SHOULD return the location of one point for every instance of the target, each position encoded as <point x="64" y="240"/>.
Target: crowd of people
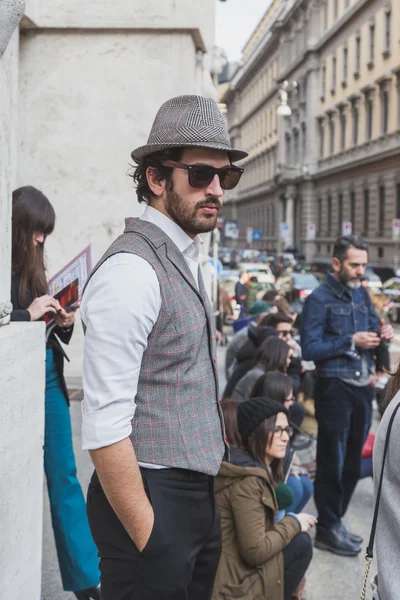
<point x="196" y="496"/>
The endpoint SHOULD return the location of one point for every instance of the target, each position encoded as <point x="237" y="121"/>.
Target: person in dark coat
<point x="33" y="219"/>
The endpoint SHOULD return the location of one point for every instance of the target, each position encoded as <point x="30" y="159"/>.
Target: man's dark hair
<point x="270" y="296"/>
<point x="273" y="319"/>
<point x="345" y="242"/>
<point x="155" y="161"/>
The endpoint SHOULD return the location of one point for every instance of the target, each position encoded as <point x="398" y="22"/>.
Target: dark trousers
<point x="181" y="557"/>
<point x="296" y="557"/>
<point x="344" y="414"/>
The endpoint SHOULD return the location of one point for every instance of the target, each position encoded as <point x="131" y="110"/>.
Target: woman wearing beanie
<point x="261" y="559"/>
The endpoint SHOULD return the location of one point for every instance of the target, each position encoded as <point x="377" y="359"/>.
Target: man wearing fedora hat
<point x="151" y="415"/>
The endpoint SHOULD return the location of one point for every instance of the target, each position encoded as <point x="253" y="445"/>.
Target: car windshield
<point x="392" y="284"/>
<point x="305" y="281"/>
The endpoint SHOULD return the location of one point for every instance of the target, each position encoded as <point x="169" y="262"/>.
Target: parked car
<point x="374" y="281"/>
<point x="229" y="278"/>
<point x="297" y="286"/>
<point x="228" y="257"/>
<point x="260" y="270"/>
<point x="391" y="289"/>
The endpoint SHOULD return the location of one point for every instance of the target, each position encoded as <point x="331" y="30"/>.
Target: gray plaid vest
<point x="178" y="420"/>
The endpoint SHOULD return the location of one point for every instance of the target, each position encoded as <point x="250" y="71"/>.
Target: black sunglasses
<point x="200" y="176"/>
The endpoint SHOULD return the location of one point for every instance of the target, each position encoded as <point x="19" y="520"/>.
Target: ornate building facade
<point x="335" y="159"/>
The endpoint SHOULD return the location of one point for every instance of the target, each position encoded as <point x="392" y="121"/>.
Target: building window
<point x="272" y="220"/>
<point x="296" y="148"/>
<point x="353" y="211"/>
<point x="345" y="65"/>
<point x="355" y="113"/>
<point x="366" y="212"/>
<point x="303" y="140"/>
<point x="288" y="150"/>
<point x="385" y="109"/>
<point x="321" y="127"/>
<point x="323" y="82"/>
<point x="388" y="32"/>
<point x="398" y="201"/>
<point x="319" y="216"/>
<point x="329" y="215"/>
<point x="334" y="68"/>
<point x="381" y="211"/>
<point x="369" y="111"/>
<point x="371" y="45"/>
<point x="357" y="56"/>
<point x="335" y="9"/>
<point x="332" y="134"/>
<point x="340" y="214"/>
<point x="381" y="252"/>
<point x="343" y="128"/>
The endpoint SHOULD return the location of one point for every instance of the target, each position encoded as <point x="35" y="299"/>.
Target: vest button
<point x="358" y="373"/>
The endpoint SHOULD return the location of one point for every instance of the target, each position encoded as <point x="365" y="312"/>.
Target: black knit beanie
<point x="251" y="413"/>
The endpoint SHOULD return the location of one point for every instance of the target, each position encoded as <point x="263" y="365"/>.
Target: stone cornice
<point x="377" y="149"/>
<point x="194" y="33"/>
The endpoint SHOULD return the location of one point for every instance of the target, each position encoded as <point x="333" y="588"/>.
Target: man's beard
<point x="347" y="281"/>
<point x="188" y="218"/>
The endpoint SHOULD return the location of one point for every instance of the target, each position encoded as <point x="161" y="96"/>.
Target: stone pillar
<point x="22" y="376"/>
<point x="309" y="217"/>
<point x="311" y="106"/>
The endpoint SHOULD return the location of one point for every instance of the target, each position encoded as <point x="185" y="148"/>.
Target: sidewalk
<point x="329" y="577"/>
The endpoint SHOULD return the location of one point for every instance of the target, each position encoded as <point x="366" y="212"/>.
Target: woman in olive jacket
<point x="261" y="559"/>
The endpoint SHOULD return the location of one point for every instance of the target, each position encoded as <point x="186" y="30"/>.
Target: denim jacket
<point x="332" y="314"/>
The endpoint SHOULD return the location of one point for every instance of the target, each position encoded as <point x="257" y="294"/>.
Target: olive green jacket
<point x="251" y="565"/>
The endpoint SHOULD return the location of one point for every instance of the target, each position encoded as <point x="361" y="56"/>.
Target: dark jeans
<point x="344" y="415"/>
<point x="181" y="557"/>
<point x="296" y="557"/>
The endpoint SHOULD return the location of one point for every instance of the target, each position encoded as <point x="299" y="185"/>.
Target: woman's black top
<point x="20" y="313"/>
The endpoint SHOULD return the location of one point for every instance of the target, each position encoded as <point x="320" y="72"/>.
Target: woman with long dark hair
<point x="33" y="219"/>
<point x="261" y="558"/>
<point x="274" y="355"/>
<point x="279" y="387"/>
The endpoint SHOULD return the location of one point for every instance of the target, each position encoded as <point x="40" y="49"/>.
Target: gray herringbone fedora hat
<point x="189" y="121"/>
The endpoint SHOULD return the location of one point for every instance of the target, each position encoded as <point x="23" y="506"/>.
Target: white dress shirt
<point x="120" y="307"/>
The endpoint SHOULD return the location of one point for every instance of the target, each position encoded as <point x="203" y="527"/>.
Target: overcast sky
<point x="236" y="20"/>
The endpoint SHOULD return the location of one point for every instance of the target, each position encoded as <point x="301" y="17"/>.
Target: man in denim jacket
<point x="339" y="333"/>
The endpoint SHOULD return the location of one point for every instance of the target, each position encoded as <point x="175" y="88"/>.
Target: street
<point x="329" y="576"/>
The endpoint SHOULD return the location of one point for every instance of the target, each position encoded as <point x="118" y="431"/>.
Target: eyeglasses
<point x="278" y="431"/>
<point x="200" y="176"/>
<point x="291" y="332"/>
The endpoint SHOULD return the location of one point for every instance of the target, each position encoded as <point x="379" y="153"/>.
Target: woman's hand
<point x="42" y="305"/>
<point x="306" y="521"/>
<point x="64" y="318"/>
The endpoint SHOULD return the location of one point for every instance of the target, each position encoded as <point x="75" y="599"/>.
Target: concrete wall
<point x="92" y="78"/>
<point x="21" y="389"/>
<point x="81" y="113"/>
<point x="22" y="375"/>
<point x="8" y="87"/>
